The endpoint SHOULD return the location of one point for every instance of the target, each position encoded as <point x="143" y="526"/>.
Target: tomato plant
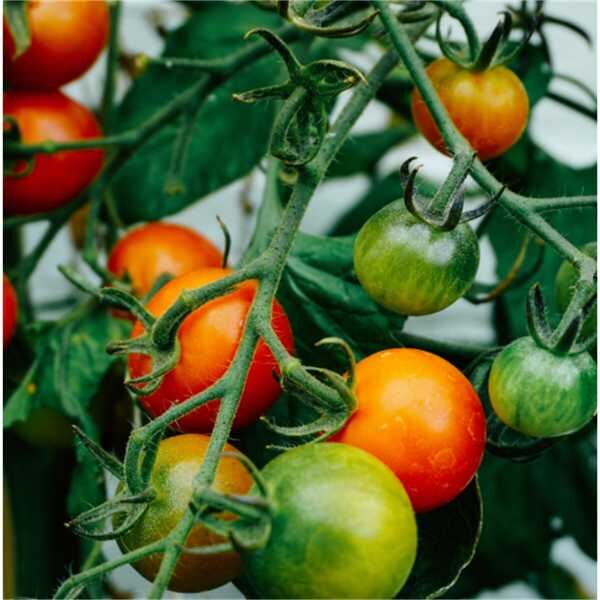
<point x="9" y="310"/>
<point x="149" y="251"/>
<point x="410" y="268"/>
<point x="422" y="418"/>
<point x="66" y="39"/>
<point x="541" y="394"/>
<point x="335" y="506"/>
<point x="216" y="327"/>
<point x="177" y="462"/>
<point x="490" y="108"/>
<point x="55" y="178"/>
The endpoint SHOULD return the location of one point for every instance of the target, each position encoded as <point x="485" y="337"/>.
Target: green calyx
<point x="302" y="122"/>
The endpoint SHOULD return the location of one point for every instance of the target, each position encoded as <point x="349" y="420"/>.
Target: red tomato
<point x="148" y="251"/>
<point x="66" y="39"/>
<point x="489" y="107"/>
<point x="59" y="177"/>
<point x="9" y="310"/>
<point x="209" y="338"/>
<point x="421" y="416"/>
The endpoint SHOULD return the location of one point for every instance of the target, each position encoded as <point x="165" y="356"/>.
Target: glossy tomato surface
<point x="421" y="416"/>
<point x="410" y="268"/>
<point x="490" y="108"/>
<point x="59" y="177"/>
<point x="209" y="338"/>
<point x="566" y="278"/>
<point x="146" y="252"/>
<point x="9" y="310"/>
<point x="343" y="527"/>
<point x="539" y="393"/>
<point x="66" y="38"/>
<point x="178" y="461"/>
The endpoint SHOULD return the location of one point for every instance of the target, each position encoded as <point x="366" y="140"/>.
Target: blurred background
<point x="563" y="133"/>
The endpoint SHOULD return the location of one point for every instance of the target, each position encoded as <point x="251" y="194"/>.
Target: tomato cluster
<point x="66" y="39"/>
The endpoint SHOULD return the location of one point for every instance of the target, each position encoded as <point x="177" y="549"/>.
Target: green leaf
<point x="448" y="537"/>
<point x="15" y="12"/>
<point x="227" y="139"/>
<point x="323" y="298"/>
<point x="533" y="70"/>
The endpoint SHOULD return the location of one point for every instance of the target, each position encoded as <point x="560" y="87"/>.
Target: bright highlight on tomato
<point x="154" y="249"/>
<point x="540" y="393"/>
<point x="209" y="338"/>
<point x="421" y="416"/>
<point x="342" y="527"/>
<point x="177" y="463"/>
<point x="490" y="108"/>
<point x="410" y="268"/>
<point x="67" y="37"/>
<point x="9" y="310"/>
<point x="59" y="177"/>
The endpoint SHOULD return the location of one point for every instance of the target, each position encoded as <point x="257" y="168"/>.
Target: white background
<point x="560" y="131"/>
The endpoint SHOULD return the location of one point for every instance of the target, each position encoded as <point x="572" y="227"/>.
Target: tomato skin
<point x="421" y="416"/>
<point x="539" y="393"/>
<point x="209" y="338"/>
<point x="10" y="310"/>
<point x="410" y="268"/>
<point x="153" y="249"/>
<point x="59" y="177"/>
<point x="490" y="108"/>
<point x="178" y="461"/>
<point x="566" y="278"/>
<point x="67" y="37"/>
<point x="343" y="527"/>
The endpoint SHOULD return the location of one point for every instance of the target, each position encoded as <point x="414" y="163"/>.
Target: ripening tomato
<point x="178" y="460"/>
<point x="59" y="177"/>
<point x="151" y="250"/>
<point x="410" y="268"/>
<point x="421" y="416"/>
<point x="66" y="38"/>
<point x="9" y="310"/>
<point x="342" y="527"/>
<point x="542" y="394"/>
<point x="209" y="338"/>
<point x="490" y="108"/>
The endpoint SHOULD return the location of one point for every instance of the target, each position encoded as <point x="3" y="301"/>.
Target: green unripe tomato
<point x="566" y="278"/>
<point x="540" y="393"/>
<point x="343" y="527"/>
<point x="410" y="268"/>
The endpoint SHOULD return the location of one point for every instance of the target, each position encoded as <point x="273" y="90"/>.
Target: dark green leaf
<point x="15" y="12"/>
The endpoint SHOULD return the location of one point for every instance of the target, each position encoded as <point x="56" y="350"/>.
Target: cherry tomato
<point x="489" y="108"/>
<point x="9" y="310"/>
<point x="421" y="416"/>
<point x="66" y="38"/>
<point x="565" y="280"/>
<point x="209" y="338"/>
<point x="540" y="393"/>
<point x="342" y="527"/>
<point x="151" y="250"/>
<point x="59" y="177"/>
<point x="410" y="268"/>
<point x="178" y="460"/>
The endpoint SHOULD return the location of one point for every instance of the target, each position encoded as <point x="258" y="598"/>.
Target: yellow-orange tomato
<point x="66" y="38"/>
<point x="178" y="460"/>
<point x="421" y="416"/>
<point x="149" y="251"/>
<point x="489" y="108"/>
<point x="209" y="338"/>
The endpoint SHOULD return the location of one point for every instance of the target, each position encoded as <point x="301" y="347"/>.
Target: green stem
<point x="112" y="62"/>
<point x="586" y="111"/>
<point x="456" y="10"/>
<point x="562" y="202"/>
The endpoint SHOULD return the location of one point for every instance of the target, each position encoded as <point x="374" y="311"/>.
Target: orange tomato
<point x="59" y="177"/>
<point x="421" y="416"/>
<point x="66" y="38"/>
<point x="489" y="108"/>
<point x="146" y="252"/>
<point x="209" y="338"/>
